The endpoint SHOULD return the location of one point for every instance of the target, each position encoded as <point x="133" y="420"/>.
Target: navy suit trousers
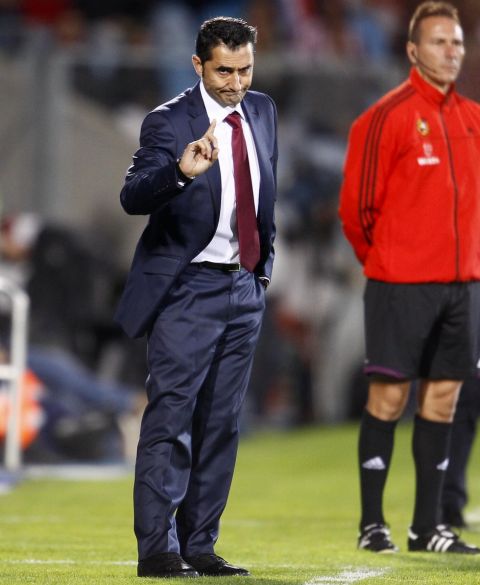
<point x="200" y="353"/>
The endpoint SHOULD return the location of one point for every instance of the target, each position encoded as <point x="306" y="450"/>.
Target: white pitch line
<point x="64" y="562"/>
<point x="347" y="577"/>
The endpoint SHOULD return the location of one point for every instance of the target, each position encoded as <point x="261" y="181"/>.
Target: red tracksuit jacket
<point x="410" y="200"/>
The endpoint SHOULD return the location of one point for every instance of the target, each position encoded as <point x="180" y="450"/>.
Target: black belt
<point x="219" y="266"/>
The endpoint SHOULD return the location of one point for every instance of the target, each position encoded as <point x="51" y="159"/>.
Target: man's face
<point x="439" y="52"/>
<point x="227" y="75"/>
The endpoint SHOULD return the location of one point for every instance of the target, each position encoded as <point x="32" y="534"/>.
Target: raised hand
<point x="201" y="154"/>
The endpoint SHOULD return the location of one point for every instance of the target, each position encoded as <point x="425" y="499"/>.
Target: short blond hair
<point x="426" y="10"/>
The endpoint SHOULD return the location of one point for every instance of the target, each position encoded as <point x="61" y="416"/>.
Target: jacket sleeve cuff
<point x="182" y="179"/>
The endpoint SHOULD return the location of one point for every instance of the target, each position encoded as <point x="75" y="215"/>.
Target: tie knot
<point x="234" y="120"/>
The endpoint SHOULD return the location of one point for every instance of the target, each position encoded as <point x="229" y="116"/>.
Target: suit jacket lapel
<point x="252" y="115"/>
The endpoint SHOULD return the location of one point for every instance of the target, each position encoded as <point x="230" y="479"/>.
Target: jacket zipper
<point x="455" y="189"/>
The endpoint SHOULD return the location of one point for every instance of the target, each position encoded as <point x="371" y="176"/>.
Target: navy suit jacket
<point x="184" y="220"/>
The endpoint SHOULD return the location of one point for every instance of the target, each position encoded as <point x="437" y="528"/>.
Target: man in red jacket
<point x="410" y="207"/>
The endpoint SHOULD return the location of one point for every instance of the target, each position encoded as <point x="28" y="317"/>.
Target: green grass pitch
<point x="291" y="518"/>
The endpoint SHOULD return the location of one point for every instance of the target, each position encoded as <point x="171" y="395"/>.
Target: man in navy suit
<point x="197" y="290"/>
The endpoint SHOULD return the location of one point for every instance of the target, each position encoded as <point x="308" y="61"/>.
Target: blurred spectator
<point x="173" y="30"/>
<point x="83" y="412"/>
<point x="44" y="12"/>
<point x="343" y="30"/>
<point x="51" y="21"/>
<point x="10" y="25"/>
<point x="374" y="22"/>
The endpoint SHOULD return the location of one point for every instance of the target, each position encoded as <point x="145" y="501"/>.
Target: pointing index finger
<point x="210" y="136"/>
<point x="211" y="128"/>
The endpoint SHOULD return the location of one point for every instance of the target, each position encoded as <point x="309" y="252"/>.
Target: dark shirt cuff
<point x="182" y="179"/>
<point x="265" y="281"/>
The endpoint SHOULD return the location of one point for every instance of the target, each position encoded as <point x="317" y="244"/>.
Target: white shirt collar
<point x="214" y="109"/>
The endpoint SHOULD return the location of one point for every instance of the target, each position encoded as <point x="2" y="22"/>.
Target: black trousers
<point x="455" y="493"/>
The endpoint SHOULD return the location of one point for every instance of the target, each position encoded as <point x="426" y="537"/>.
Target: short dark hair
<point x="426" y="10"/>
<point x="232" y="32"/>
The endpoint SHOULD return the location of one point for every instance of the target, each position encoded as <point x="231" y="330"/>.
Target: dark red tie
<point x="248" y="239"/>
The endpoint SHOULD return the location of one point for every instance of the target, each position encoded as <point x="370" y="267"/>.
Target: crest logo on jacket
<point x="423" y="127"/>
<point x="429" y="158"/>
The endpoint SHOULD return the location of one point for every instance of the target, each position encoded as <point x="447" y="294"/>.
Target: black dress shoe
<point x="165" y="565"/>
<point x="212" y="565"/>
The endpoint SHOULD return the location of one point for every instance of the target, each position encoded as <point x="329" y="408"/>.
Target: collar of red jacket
<point x="428" y="91"/>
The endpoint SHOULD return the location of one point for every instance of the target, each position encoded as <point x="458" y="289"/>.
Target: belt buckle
<point x="234" y="267"/>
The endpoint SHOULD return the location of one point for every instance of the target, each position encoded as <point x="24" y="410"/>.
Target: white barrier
<point x="12" y="372"/>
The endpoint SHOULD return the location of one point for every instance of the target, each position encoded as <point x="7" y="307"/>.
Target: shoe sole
<point x="179" y="575"/>
<point x="385" y="551"/>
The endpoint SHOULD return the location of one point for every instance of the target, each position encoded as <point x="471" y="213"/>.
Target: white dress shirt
<point x="223" y="247"/>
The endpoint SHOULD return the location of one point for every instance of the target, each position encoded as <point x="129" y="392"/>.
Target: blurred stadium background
<point x="77" y="78"/>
